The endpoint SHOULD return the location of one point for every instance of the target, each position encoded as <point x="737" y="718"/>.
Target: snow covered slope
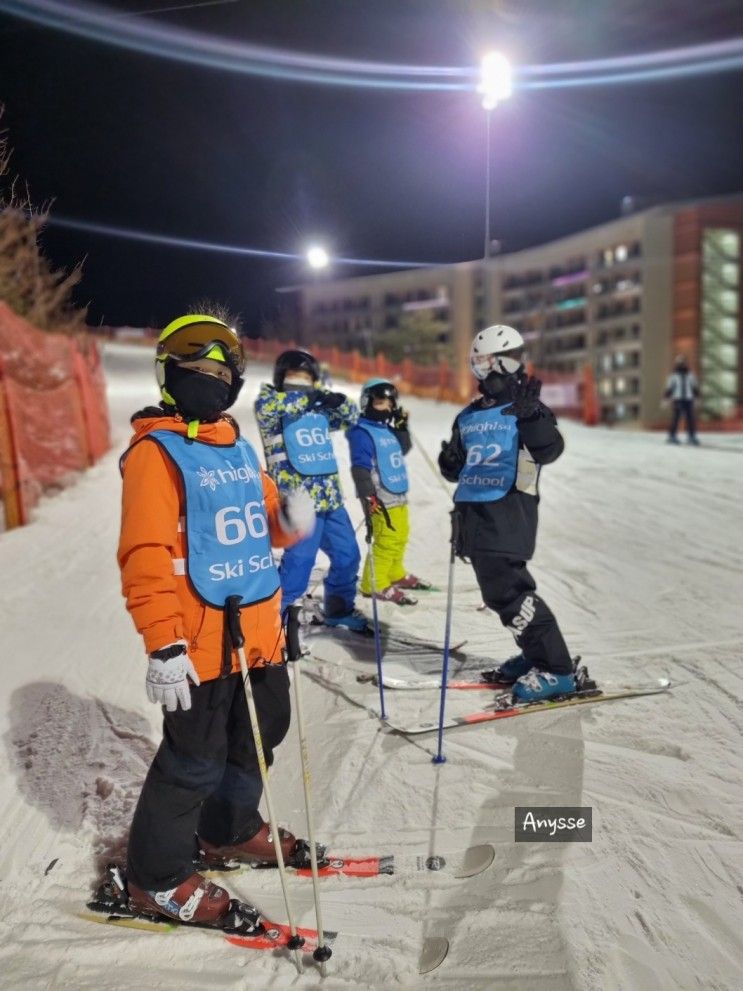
<point x="640" y="557"/>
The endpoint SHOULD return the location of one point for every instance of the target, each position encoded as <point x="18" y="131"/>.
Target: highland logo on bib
<point x="220" y="476"/>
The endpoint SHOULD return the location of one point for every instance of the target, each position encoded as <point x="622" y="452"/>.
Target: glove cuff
<point x="169" y="652"/>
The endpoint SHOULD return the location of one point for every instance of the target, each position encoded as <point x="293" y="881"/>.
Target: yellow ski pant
<point x="388" y="548"/>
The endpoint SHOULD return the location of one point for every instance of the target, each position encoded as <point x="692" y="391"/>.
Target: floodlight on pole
<point x="317" y="257"/>
<point x="496" y="80"/>
<point x="496" y="85"/>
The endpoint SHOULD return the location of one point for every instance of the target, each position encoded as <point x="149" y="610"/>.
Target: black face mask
<point x="198" y="396"/>
<point x="379" y="415"/>
<point x="495" y="384"/>
<point x="305" y="387"/>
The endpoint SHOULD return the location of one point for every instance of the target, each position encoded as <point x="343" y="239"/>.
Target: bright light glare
<point x="496" y="80"/>
<point x="317" y="257"/>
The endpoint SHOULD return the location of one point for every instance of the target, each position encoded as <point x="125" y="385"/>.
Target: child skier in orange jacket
<point x="199" y="517"/>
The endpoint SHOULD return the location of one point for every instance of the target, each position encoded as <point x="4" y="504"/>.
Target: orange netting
<point x="53" y="411"/>
<point x="566" y="395"/>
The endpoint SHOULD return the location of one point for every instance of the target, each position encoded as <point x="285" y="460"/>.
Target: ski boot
<point x="413" y="583"/>
<point x="508" y="672"/>
<point x="537" y="686"/>
<point x="258" y="851"/>
<point x="394" y="594"/>
<point x="354" y="621"/>
<point x="194" y="902"/>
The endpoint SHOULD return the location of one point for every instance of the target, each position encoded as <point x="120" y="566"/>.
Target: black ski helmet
<point x="377" y="388"/>
<point x="292" y="361"/>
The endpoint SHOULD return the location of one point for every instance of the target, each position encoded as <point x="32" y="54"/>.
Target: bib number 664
<point x="306" y="437"/>
<point x="233" y="524"/>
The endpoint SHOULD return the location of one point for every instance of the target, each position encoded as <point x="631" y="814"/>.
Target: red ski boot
<point x="413" y="582"/>
<point x="259" y="849"/>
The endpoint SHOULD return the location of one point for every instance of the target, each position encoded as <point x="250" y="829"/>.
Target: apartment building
<point x="624" y="297"/>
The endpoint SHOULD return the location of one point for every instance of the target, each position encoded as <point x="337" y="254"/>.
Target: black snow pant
<point x="685" y="408"/>
<point x="205" y="776"/>
<point x="509" y="589"/>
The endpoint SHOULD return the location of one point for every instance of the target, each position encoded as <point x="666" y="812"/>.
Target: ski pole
<point x="439" y="758"/>
<point x="294" y="653"/>
<point x="375" y="613"/>
<point x="232" y="616"/>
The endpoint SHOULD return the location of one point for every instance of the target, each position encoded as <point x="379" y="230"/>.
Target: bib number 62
<point x="476" y="455"/>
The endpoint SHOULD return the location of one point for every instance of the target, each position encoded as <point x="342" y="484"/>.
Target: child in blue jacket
<point x="379" y="442"/>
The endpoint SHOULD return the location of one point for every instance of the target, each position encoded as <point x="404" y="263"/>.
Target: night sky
<point x="127" y="139"/>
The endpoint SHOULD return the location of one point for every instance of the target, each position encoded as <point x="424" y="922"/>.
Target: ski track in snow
<point x="639" y="555"/>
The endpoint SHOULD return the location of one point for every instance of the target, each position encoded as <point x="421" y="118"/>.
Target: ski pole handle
<point x="232" y="615"/>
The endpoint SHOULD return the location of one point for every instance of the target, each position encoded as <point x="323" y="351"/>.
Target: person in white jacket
<point x="682" y="388"/>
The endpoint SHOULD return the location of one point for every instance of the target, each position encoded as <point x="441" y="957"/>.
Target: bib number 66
<point x="233" y="525"/>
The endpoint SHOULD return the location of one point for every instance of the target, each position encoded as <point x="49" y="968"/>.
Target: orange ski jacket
<point x="152" y="553"/>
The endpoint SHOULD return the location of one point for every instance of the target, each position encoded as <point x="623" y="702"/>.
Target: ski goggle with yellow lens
<point x="198" y="340"/>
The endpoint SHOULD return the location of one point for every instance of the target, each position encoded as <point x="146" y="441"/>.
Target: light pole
<point x="495" y="86"/>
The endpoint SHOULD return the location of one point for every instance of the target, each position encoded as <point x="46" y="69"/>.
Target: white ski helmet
<point x="496" y="349"/>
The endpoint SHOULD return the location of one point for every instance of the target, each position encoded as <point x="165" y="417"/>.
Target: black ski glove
<point x="399" y="419"/>
<point x="451" y="461"/>
<point x="329" y="400"/>
<point x="524" y="398"/>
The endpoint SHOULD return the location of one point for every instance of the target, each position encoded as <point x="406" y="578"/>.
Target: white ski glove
<point x="167" y="677"/>
<point x="297" y="516"/>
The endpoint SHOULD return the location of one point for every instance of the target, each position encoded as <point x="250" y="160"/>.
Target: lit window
<point x="620" y="252"/>
<point x="621" y="411"/>
<point x="620" y="384"/>
<point x="608" y="257"/>
<point x="606" y="362"/>
<point x="605" y="387"/>
<point x="620" y="359"/>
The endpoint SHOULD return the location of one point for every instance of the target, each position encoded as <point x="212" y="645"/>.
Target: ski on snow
<point x="467" y="863"/>
<point x="504" y="708"/>
<point x="417" y="684"/>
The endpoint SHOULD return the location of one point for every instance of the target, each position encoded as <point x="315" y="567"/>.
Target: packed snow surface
<point x="640" y="557"/>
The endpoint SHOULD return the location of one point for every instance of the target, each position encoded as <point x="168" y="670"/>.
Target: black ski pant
<point x="205" y="776"/>
<point x="509" y="589"/>
<point x="685" y="408"/>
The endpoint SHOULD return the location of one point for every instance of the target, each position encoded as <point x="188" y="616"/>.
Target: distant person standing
<point x="682" y="388"/>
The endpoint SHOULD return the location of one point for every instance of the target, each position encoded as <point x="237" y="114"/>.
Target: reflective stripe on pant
<point x="334" y="536"/>
<point x="388" y="549"/>
<point x="509" y="589"/>
<point x="205" y="776"/>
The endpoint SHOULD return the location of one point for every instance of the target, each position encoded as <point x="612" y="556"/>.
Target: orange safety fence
<point x="567" y="395"/>
<point x="53" y="412"/>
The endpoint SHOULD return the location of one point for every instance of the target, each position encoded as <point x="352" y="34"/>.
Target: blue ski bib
<point x="308" y="444"/>
<point x="228" y="544"/>
<point x="491" y="441"/>
<point x="390" y="460"/>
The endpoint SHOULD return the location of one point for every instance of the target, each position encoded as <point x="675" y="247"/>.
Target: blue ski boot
<point x="508" y="672"/>
<point x="354" y="621"/>
<point x="536" y="686"/>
